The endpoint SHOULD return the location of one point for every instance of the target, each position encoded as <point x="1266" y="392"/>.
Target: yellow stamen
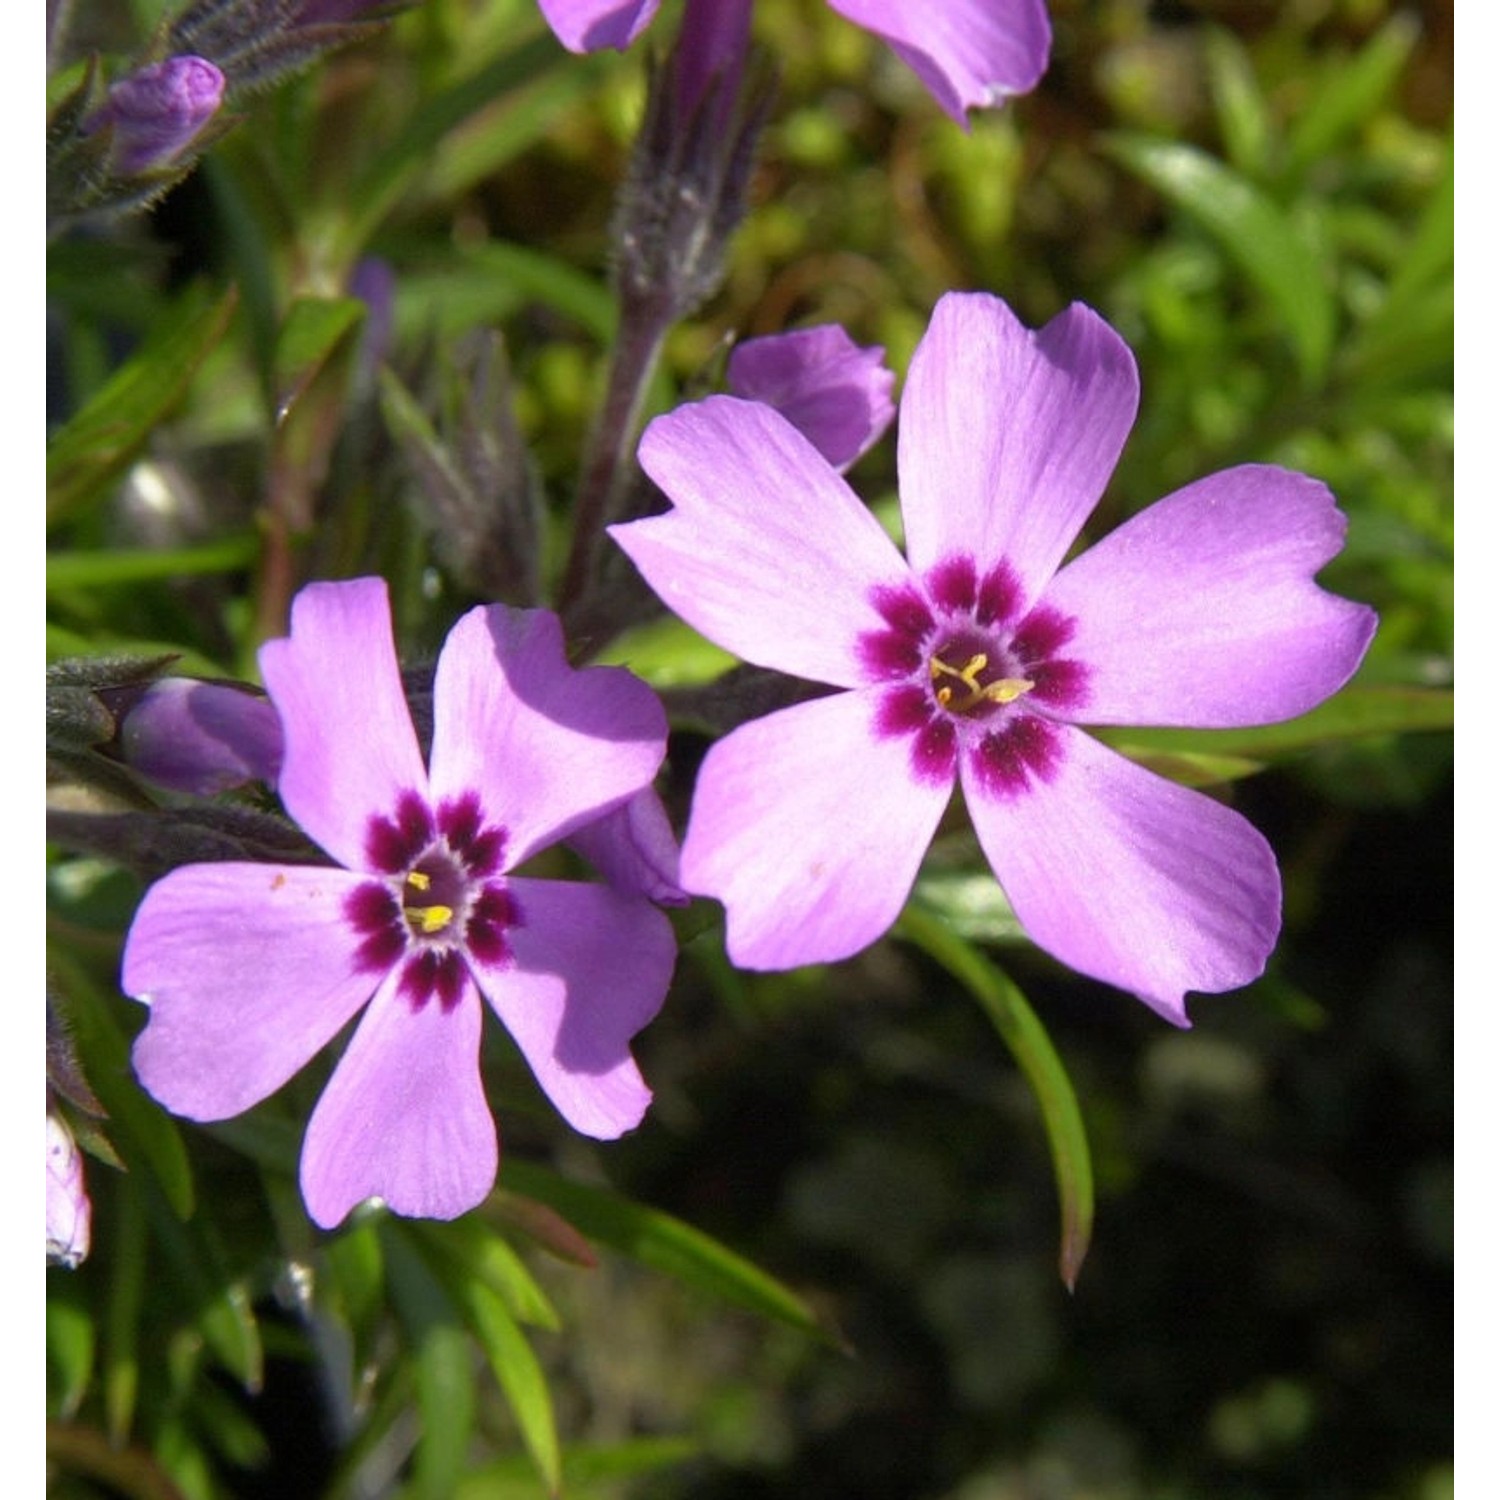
<point x="1002" y="690"/>
<point x="430" y="918"/>
<point x="418" y="881"/>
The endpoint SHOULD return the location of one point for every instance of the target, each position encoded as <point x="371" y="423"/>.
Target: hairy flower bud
<point x="156" y="111"/>
<point x="68" y="1209"/>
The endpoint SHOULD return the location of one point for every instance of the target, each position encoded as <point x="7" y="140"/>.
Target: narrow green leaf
<point x="143" y="1132"/>
<point x="316" y="331"/>
<point x="74" y="570"/>
<point x="520" y="1377"/>
<point x="666" y="1244"/>
<point x="471" y="1246"/>
<point x="1355" y="713"/>
<point x="1350" y="91"/>
<point x="668" y="654"/>
<point x="98" y="444"/>
<point x="441" y="1362"/>
<point x="1033" y="1051"/>
<point x="70" y="1355"/>
<point x="406" y="159"/>
<point x="1244" y="120"/>
<point x="585" y="1468"/>
<point x="1252" y="230"/>
<point x="121" y="1366"/>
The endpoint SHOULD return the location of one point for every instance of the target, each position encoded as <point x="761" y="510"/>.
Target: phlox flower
<point x="250" y="969"/>
<point x="977" y="658"/>
<point x="968" y="53"/>
<point x="837" y="394"/>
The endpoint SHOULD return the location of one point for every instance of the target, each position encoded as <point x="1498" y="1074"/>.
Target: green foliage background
<point x="828" y="1263"/>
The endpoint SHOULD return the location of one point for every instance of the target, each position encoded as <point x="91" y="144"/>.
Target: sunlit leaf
<point x="1266" y="243"/>
<point x="469" y="1245"/>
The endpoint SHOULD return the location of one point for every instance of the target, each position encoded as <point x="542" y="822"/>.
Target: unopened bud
<point x="156" y="112"/>
<point x="201" y="737"/>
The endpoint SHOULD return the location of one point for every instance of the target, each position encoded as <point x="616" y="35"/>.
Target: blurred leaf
<point x="668" y="654"/>
<point x="1355" y="713"/>
<point x="130" y="1472"/>
<point x="144" y="1133"/>
<point x="121" y="1371"/>
<point x="1244" y="120"/>
<point x="971" y="903"/>
<point x="520" y="1377"/>
<point x="1265" y="242"/>
<point x="97" y="445"/>
<point x="668" y="1245"/>
<point x="74" y="569"/>
<point x="584" y="1467"/>
<point x="544" y="1226"/>
<point x="1350" y="91"/>
<point x="70" y="1355"/>
<point x="408" y="157"/>
<point x="1032" y="1049"/>
<point x="469" y="1245"/>
<point x="442" y="1365"/>
<point x="316" y="331"/>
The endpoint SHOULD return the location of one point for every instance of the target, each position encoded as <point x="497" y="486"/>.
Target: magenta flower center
<point x="968" y="674"/>
<point x="439" y="902"/>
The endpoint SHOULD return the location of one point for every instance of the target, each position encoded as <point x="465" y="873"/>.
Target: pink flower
<point x="68" y="1211"/>
<point x="968" y="53"/>
<point x="978" y="659"/>
<point x="249" y="969"/>
<point x="835" y="393"/>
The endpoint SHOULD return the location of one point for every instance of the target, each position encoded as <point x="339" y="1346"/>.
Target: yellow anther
<point x="1002" y="690"/>
<point x="430" y="918"/>
<point x="418" y="881"/>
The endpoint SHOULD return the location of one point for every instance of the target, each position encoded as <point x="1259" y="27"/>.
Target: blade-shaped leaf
<point x="1005" y="1005"/>
<point x="95" y="447"/>
<point x="1253" y="231"/>
<point x="666" y="1244"/>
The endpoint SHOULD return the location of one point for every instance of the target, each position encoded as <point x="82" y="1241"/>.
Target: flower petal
<point x="248" y="969"/>
<point x="591" y="967"/>
<point x="968" y="53"/>
<point x="834" y="392"/>
<point x="1008" y="436"/>
<point x="767" y="551"/>
<point x="350" y="746"/>
<point x="634" y="849"/>
<point x="587" y="25"/>
<point x="1202" y="609"/>
<point x="809" y="825"/>
<point x="547" y="747"/>
<point x="404" y="1116"/>
<point x="1129" y="878"/>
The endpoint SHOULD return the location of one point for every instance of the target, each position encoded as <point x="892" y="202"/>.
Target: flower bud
<point x="68" y="1210"/>
<point x="201" y="737"/>
<point x="156" y="112"/>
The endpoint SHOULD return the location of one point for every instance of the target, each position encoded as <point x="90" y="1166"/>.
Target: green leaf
<point x="1032" y="1049"/>
<point x="1253" y="231"/>
<point x="1355" y="713"/>
<point x="520" y="1377"/>
<point x="70" y="1355"/>
<point x="470" y="1245"/>
<point x="1244" y="120"/>
<point x="584" y="1468"/>
<point x="666" y="1244"/>
<point x="74" y="570"/>
<point x="442" y="1364"/>
<point x="99" y="443"/>
<point x="1350" y="91"/>
<point x="668" y="654"/>
<point x="143" y="1132"/>
<point x="408" y="157"/>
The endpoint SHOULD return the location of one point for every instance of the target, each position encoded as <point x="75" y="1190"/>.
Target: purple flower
<point x="976" y="658"/>
<point x="68" y="1210"/>
<point x="201" y="737"/>
<point x="968" y="53"/>
<point x="156" y="112"/>
<point x="835" y="393"/>
<point x="249" y="969"/>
